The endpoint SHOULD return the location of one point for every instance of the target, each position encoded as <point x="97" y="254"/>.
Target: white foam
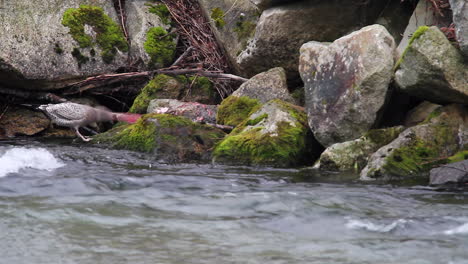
<point x="15" y="159"/>
<point x="362" y="224"/>
<point x="463" y="229"/>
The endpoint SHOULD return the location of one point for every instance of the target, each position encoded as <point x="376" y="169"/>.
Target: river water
<point x="64" y="202"/>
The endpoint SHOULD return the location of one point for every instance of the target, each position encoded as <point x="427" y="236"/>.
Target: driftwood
<point x="107" y="79"/>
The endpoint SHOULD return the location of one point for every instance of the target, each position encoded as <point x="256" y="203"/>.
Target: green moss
<point x="109" y="36"/>
<point x="418" y="33"/>
<point x="299" y="96"/>
<point x="233" y="110"/>
<point x="244" y="29"/>
<point x="161" y="11"/>
<point x="160" y="46"/>
<point x="460" y="156"/>
<point x="420" y="155"/>
<point x="253" y="122"/>
<point x="161" y="86"/>
<point x="80" y="58"/>
<point x="383" y="136"/>
<point x="217" y="14"/>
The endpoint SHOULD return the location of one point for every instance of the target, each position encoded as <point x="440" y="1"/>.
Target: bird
<point x="75" y="115"/>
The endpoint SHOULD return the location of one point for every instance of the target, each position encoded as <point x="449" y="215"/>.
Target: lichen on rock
<point x="109" y="36"/>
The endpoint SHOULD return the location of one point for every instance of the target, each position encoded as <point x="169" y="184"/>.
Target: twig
<point x="4" y="111"/>
<point x="186" y="52"/>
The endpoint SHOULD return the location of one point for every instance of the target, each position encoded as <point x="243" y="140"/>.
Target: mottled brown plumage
<point x="74" y="116"/>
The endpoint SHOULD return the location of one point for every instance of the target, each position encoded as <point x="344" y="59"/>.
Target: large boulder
<point x="18" y="121"/>
<point x="346" y="83"/>
<point x="55" y="43"/>
<point x="353" y="155"/>
<point x="432" y="69"/>
<point x="281" y="30"/>
<point x="460" y="18"/>
<point x="419" y="148"/>
<point x="276" y="135"/>
<point x="194" y="111"/>
<point x="166" y="137"/>
<point x="266" y="86"/>
<point x="234" y="110"/>
<point x="454" y="173"/>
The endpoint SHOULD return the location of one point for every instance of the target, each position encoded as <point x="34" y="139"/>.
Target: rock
<point x="419" y="113"/>
<point x="423" y="15"/>
<point x="395" y="18"/>
<point x="234" y="110"/>
<point x="194" y="111"/>
<point x="450" y="174"/>
<point x="265" y="4"/>
<point x="432" y="69"/>
<point x="282" y="30"/>
<point x="196" y="89"/>
<point x="460" y="18"/>
<point x="144" y="16"/>
<point x="353" y="155"/>
<point x="266" y="86"/>
<point x="19" y="121"/>
<point x="58" y="42"/>
<point x="166" y="137"/>
<point x="418" y="148"/>
<point x="233" y="22"/>
<point x="160" y="87"/>
<point x="275" y="135"/>
<point x="346" y="83"/>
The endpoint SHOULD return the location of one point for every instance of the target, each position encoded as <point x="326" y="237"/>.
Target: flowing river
<point x="65" y="202"/>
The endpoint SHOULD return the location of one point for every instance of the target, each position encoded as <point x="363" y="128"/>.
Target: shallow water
<point x="62" y="202"/>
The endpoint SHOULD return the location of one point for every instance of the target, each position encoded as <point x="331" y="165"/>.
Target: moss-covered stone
<point x="200" y="89"/>
<point x="217" y="14"/>
<point x="160" y="87"/>
<point x="244" y="29"/>
<point x="168" y="137"/>
<point x="419" y="148"/>
<point x="275" y="135"/>
<point x="418" y="33"/>
<point x="160" y="46"/>
<point x="460" y="156"/>
<point x="161" y="11"/>
<point x="109" y="36"/>
<point x="233" y="110"/>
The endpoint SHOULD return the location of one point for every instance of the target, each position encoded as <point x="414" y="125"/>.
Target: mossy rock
<point x="160" y="46"/>
<point x="200" y="89"/>
<point x="417" y="34"/>
<point x="275" y="135"/>
<point x="233" y="110"/>
<point x="161" y="11"/>
<point x="420" y="148"/>
<point x="168" y="137"/>
<point x="160" y="87"/>
<point x="109" y="36"/>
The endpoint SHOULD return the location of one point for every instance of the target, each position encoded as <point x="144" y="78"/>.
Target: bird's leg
<point x="81" y="136"/>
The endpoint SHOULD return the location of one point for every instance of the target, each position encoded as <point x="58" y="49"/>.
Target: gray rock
<point x="419" y="113"/>
<point x="237" y="25"/>
<point x="194" y="111"/>
<point x="353" y="155"/>
<point x="282" y="30"/>
<point x="449" y="174"/>
<point x="139" y="22"/>
<point x="38" y="52"/>
<point x="418" y="148"/>
<point x="266" y="86"/>
<point x="346" y="83"/>
<point x="460" y="18"/>
<point x="17" y="121"/>
<point x="432" y="69"/>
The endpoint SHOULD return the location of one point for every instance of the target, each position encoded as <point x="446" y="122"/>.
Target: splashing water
<point x="15" y="159"/>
